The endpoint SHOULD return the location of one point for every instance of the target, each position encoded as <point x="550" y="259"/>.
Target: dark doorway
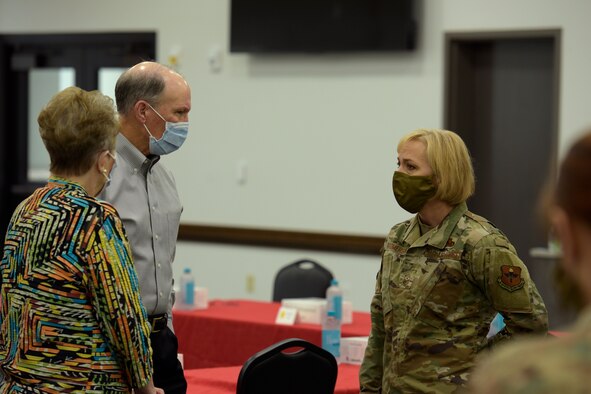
<point x="502" y="98"/>
<point x="32" y="63"/>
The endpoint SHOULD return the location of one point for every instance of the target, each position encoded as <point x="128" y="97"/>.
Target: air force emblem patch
<point x="510" y="278"/>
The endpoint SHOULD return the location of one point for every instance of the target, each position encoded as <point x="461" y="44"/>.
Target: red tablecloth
<point x="230" y="331"/>
<point x="558" y="334"/>
<point x="223" y="380"/>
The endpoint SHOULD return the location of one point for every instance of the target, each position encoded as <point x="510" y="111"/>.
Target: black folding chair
<point x="301" y="279"/>
<point x="310" y="370"/>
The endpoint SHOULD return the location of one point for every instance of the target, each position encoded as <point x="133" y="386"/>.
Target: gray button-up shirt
<point x="144" y="193"/>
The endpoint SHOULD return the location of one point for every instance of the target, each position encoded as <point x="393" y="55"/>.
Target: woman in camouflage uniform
<point x="445" y="274"/>
<point x="559" y="364"/>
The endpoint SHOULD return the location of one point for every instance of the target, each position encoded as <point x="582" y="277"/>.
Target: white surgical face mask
<point x="108" y="177"/>
<point x="175" y="134"/>
<point x="112" y="168"/>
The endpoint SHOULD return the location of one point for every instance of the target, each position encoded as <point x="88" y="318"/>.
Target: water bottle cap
<point x="187" y="270"/>
<point x="334" y="282"/>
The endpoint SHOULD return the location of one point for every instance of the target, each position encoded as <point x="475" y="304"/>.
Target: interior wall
<point x="314" y="134"/>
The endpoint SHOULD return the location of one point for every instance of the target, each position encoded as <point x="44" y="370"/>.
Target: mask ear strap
<point x="148" y="130"/>
<point x="157" y="113"/>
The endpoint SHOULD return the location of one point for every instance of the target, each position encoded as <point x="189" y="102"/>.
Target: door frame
<point x="453" y="65"/>
<point x="86" y="52"/>
<point x="457" y="67"/>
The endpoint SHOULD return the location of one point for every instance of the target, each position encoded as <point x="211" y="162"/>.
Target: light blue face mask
<point x="175" y="134"/>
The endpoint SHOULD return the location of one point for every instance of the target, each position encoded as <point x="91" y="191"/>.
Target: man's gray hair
<point x="133" y="86"/>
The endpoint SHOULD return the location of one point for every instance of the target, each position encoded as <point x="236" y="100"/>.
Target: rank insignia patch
<point x="510" y="278"/>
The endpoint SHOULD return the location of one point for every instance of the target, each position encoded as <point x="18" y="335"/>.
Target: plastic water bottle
<point x="334" y="299"/>
<point x="187" y="293"/>
<point x="331" y="334"/>
<point x="331" y="324"/>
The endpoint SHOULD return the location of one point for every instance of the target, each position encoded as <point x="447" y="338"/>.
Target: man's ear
<point x="139" y="110"/>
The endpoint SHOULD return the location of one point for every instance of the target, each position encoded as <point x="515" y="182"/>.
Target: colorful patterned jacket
<point x="70" y="314"/>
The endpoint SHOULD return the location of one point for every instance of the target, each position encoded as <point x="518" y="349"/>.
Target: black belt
<point x="158" y="322"/>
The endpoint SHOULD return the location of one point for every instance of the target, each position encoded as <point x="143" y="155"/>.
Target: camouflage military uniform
<point x="435" y="297"/>
<point x="539" y="366"/>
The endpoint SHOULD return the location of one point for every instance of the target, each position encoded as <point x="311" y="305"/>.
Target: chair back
<point x="301" y="279"/>
<point x="310" y="370"/>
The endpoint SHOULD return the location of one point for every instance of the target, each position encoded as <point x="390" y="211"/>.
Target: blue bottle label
<point x="338" y="307"/>
<point x="189" y="293"/>
<point x="331" y="341"/>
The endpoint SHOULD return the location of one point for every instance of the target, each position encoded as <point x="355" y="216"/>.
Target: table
<point x="223" y="380"/>
<point x="230" y="331"/>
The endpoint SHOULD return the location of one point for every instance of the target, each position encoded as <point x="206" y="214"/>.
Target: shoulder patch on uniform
<point x="510" y="278"/>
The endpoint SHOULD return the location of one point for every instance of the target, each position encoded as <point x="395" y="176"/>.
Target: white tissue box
<point x="353" y="349"/>
<point x="311" y="310"/>
<point x="201" y="300"/>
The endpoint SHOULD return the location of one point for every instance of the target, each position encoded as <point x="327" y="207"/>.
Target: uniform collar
<point x="439" y="235"/>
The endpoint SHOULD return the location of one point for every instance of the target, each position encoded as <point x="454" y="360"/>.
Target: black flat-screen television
<point x="292" y="26"/>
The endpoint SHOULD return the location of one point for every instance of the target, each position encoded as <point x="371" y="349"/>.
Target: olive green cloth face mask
<point x="412" y="192"/>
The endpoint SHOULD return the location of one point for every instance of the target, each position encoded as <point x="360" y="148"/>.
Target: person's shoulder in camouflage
<point x="505" y="279"/>
<point x="538" y="365"/>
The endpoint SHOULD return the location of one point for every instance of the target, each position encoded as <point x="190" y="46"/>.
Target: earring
<point x="104" y="170"/>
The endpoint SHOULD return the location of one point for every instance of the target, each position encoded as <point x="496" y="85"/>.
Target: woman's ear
<point x="563" y="226"/>
<point x="102" y="162"/>
<point x="435" y="180"/>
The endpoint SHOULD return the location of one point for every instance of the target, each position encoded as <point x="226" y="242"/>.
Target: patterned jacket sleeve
<point x="116" y="301"/>
<point x="371" y="371"/>
<point x="505" y="281"/>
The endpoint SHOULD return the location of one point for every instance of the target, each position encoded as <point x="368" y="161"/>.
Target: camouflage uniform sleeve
<point x="370" y="373"/>
<point x="505" y="281"/>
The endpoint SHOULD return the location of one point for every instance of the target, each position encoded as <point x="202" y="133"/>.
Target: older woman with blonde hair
<point x="445" y="274"/>
<point x="71" y="319"/>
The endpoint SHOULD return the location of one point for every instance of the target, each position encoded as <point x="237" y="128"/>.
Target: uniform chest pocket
<point x="388" y="261"/>
<point x="404" y="284"/>
<point x="439" y="294"/>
